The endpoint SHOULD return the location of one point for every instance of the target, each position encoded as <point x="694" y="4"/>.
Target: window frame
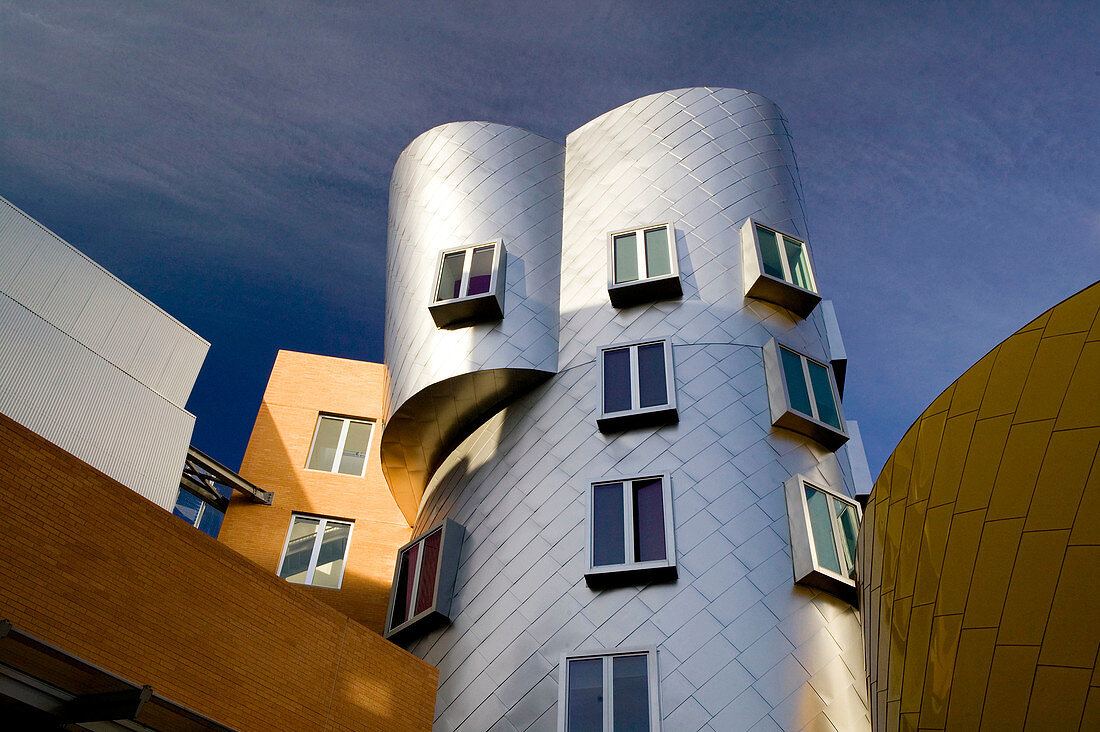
<point x="438" y="613"/>
<point x="644" y="289"/>
<point x="637" y="415"/>
<point x="630" y="571"/>
<point x="763" y="286"/>
<point x="311" y="567"/>
<point x="606" y="654"/>
<point x="807" y="569"/>
<point x="339" y="453"/>
<point x="466" y="310"/>
<point x="779" y="398"/>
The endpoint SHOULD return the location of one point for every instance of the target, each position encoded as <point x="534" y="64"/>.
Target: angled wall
<point x="739" y="645"/>
<point x="91" y="365"/>
<point x="980" y="546"/>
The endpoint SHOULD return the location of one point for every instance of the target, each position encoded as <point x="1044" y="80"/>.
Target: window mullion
<point x="416" y="579"/>
<point x="809" y="386"/>
<point x="643" y="265"/>
<point x="340" y="447"/>
<point x="628" y="520"/>
<point x="608" y="693"/>
<point x="835" y="508"/>
<point x="635" y="386"/>
<point x="787" y="274"/>
<point x="313" y="555"/>
<point x="467" y="262"/>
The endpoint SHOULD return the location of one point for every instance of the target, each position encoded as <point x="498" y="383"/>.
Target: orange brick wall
<point x="302" y="386"/>
<point x="106" y="575"/>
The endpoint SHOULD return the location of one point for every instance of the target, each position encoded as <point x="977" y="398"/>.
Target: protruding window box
<point x="778" y="268"/>
<point x="824" y="526"/>
<point x="630" y="532"/>
<point x="637" y="386"/>
<point x="642" y="266"/>
<point x="469" y="286"/>
<point x="423" y="582"/>
<point x="802" y="395"/>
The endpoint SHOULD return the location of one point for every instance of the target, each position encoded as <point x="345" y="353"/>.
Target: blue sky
<point x="231" y="160"/>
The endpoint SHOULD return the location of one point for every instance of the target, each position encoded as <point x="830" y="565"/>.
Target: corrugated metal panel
<point x="51" y="278"/>
<point x="55" y="386"/>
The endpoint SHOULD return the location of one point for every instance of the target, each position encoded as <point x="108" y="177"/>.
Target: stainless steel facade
<point x="91" y="365"/>
<point x="739" y="645"/>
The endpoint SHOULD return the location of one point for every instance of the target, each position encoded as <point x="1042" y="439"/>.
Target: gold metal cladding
<point x="980" y="545"/>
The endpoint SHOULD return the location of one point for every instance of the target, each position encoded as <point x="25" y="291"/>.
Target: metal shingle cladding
<point x="739" y="646"/>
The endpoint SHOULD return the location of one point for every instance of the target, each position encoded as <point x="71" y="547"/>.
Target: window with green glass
<point x="785" y="258"/>
<point x="642" y="254"/>
<point x="340" y="445"/>
<point x="834" y="526"/>
<point x="315" y="551"/>
<point x="810" y="387"/>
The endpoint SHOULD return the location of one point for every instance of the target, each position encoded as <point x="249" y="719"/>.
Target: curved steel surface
<point x="737" y="640"/>
<point x="459" y="184"/>
<point x="980" y="544"/>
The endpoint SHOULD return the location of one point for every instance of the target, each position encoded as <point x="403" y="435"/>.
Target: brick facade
<point x="301" y="387"/>
<point x="106" y="575"/>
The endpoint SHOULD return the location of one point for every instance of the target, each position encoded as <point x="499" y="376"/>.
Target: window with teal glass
<point x="824" y="525"/>
<point x="802" y="395"/>
<point x="777" y="267"/>
<point x="642" y="265"/>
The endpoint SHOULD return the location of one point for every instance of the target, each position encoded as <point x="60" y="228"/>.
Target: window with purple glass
<point x="630" y="531"/>
<point x="424" y="581"/>
<point x="469" y="286"/>
<point x="637" y="385"/>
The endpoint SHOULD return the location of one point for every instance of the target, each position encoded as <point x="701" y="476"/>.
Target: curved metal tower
<point x="509" y="427"/>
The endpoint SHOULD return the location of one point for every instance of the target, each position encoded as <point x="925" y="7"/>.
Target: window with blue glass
<point x="609" y="690"/>
<point x="204" y="516"/>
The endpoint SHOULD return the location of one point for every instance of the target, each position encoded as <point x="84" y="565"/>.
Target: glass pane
<point x="823" y="394"/>
<point x="649" y="520"/>
<point x="355" y="448"/>
<point x="450" y="276"/>
<point x="626" y="258"/>
<point x="849" y="530"/>
<point x="616" y="380"/>
<point x="481" y="271"/>
<point x="799" y="263"/>
<point x="584" y="704"/>
<point x="299" y="548"/>
<point x="608" y="525"/>
<point x="425" y="592"/>
<point x="402" y="594"/>
<point x="769" y="253"/>
<point x="821" y="528"/>
<point x="330" y="560"/>
<point x="652" y="390"/>
<point x="211" y="521"/>
<point x="187" y="506"/>
<point x="796" y="382"/>
<point x="630" y="694"/>
<point x="657" y="260"/>
<point x="324" y="444"/>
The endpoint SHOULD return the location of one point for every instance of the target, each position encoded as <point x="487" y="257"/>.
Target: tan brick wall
<point x="106" y="575"/>
<point x="301" y="387"/>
